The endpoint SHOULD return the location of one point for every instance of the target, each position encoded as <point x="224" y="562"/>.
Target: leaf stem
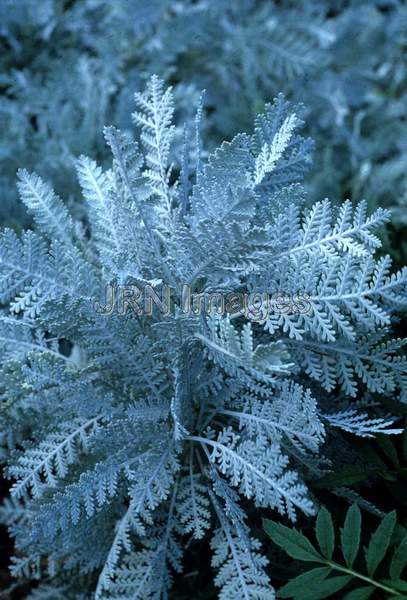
<point x="337" y="567"/>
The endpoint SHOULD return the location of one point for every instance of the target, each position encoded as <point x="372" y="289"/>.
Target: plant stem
<point x="337" y="567"/>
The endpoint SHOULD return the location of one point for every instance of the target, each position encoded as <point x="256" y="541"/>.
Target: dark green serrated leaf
<point x="296" y="587"/>
<point x="362" y="593"/>
<point x="325" y="589"/>
<point x="348" y="476"/>
<point x="396" y="584"/>
<point x="371" y="454"/>
<point x="389" y="449"/>
<point x="325" y="533"/>
<point x="379" y="543"/>
<point x="350" y="535"/>
<point x="399" y="560"/>
<point x="292" y="541"/>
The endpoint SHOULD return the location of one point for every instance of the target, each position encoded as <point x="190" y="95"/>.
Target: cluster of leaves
<point x="70" y="67"/>
<point x="130" y="438"/>
<point x="345" y="573"/>
<point x="127" y="434"/>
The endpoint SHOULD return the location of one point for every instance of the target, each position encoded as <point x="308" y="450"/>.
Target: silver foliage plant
<point x="70" y="67"/>
<point x="127" y="434"/>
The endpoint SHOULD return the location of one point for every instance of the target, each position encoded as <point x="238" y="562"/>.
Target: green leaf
<point x="397" y="584"/>
<point x="362" y="593"/>
<point x="350" y="535"/>
<point x="399" y="560"/>
<point x="345" y="477"/>
<point x="389" y="449"/>
<point x="303" y="582"/>
<point x="325" y="588"/>
<point x="292" y="541"/>
<point x="379" y="543"/>
<point x="325" y="533"/>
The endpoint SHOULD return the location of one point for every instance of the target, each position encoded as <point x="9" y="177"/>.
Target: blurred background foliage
<point x="70" y="67"/>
